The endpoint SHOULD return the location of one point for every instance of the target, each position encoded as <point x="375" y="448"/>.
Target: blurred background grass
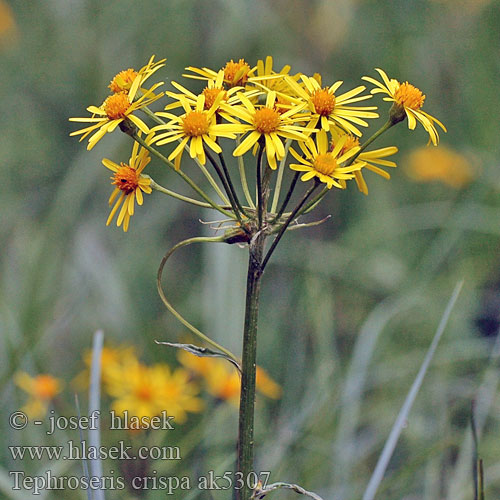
<point x="349" y="307"/>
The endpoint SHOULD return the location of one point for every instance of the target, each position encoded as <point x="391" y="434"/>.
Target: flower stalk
<point x="245" y="448"/>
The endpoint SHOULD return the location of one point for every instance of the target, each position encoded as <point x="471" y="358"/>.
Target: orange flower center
<point x="144" y="393"/>
<point x="409" y="96"/>
<point x="236" y="73"/>
<point x="195" y="123"/>
<point x="123" y="80"/>
<point x="46" y="386"/>
<point x="351" y="142"/>
<point x="282" y="105"/>
<point x="116" y="106"/>
<point x="325" y="164"/>
<point x="266" y="120"/>
<point x="323" y="101"/>
<point x="126" y="179"/>
<point x="211" y="95"/>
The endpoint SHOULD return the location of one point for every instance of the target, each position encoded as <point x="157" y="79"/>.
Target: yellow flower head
<point x="332" y="110"/>
<point x="129" y="184"/>
<point x="123" y="81"/>
<point x="408" y="101"/>
<point x="268" y="123"/>
<point x="111" y="357"/>
<point x="235" y="73"/>
<point x="213" y="92"/>
<point x="197" y="126"/>
<point x="325" y="164"/>
<point x="268" y="78"/>
<point x="372" y="160"/>
<point x="131" y="80"/>
<point x="120" y="107"/>
<point x="41" y="389"/>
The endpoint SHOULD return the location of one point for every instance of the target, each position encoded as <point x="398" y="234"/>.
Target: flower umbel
<point x="130" y="185"/>
<point x="408" y="101"/>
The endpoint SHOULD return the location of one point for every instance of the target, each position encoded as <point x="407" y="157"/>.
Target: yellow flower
<point x="408" y="101"/>
<point x="269" y="78"/>
<point x="131" y="80"/>
<point x="442" y="164"/>
<point x="223" y="381"/>
<point x="331" y="110"/>
<point x="325" y="164"/>
<point x="235" y="73"/>
<point x="147" y="391"/>
<point x="130" y="184"/>
<point x="197" y="126"/>
<point x="214" y="91"/>
<point x="42" y="389"/>
<point x="111" y="357"/>
<point x="114" y="110"/>
<point x="268" y="123"/>
<point x="372" y="160"/>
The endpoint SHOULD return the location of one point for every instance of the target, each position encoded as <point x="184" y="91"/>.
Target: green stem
<point x="314" y="202"/>
<point x="287" y="223"/>
<point x="288" y="196"/>
<point x="184" y="177"/>
<point x="155" y="118"/>
<point x="229" y="193"/>
<point x="248" y="366"/>
<point x="243" y="177"/>
<point x="168" y="305"/>
<point x="259" y="186"/>
<point x="230" y="184"/>
<point x="279" y="179"/>
<point x="212" y="181"/>
<point x="173" y="194"/>
<point x="377" y="134"/>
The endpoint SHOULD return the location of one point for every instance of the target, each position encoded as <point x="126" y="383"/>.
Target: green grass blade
<point x="392" y="440"/>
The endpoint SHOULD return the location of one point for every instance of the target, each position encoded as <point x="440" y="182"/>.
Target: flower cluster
<point x="266" y="112"/>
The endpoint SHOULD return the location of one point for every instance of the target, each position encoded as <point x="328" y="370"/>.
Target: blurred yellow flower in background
<point x="8" y="26"/>
<point x="147" y="391"/>
<point x="111" y="357"/>
<point x="443" y="165"/>
<point x="223" y="381"/>
<point x="42" y="389"/>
